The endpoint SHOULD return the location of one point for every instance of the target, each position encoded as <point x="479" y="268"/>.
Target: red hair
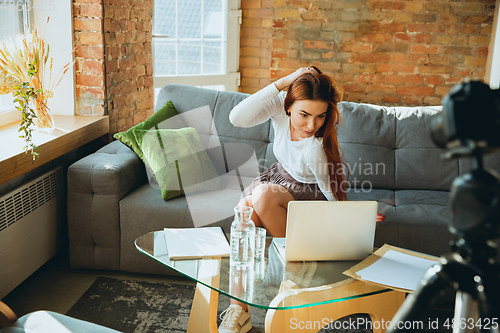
<point x="316" y="86"/>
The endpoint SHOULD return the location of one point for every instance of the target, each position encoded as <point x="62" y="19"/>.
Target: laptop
<point x="330" y="230"/>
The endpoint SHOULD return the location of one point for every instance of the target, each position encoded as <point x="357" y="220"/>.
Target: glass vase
<point x="44" y="120"/>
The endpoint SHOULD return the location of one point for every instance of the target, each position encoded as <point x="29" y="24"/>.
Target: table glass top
<point x="318" y="281"/>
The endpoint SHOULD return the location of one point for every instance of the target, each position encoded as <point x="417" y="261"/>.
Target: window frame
<point x="231" y="78"/>
<point x="493" y="62"/>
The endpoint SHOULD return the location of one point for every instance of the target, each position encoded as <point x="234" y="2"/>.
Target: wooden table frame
<point x="380" y="306"/>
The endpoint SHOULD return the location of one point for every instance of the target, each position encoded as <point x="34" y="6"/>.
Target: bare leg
<point x="270" y="202"/>
<point x="237" y="287"/>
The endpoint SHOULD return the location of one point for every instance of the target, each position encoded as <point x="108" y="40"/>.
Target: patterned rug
<point x="148" y="307"/>
<point x="144" y="307"/>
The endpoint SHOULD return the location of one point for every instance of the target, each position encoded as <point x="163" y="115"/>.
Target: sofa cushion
<point x="415" y="219"/>
<point x="367" y="140"/>
<point x="244" y="156"/>
<point x="143" y="210"/>
<point x="491" y="163"/>
<point x="225" y="103"/>
<point x="369" y="166"/>
<point x="178" y="160"/>
<point x="214" y="127"/>
<point x="195" y="106"/>
<point x="163" y="118"/>
<point x="391" y="147"/>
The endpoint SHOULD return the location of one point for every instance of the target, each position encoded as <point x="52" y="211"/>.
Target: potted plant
<point x="26" y="72"/>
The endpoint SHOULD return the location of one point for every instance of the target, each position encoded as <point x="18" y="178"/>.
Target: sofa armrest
<point x="96" y="184"/>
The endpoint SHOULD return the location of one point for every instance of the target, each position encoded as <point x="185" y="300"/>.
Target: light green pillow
<point x="161" y="119"/>
<point x="178" y="161"/>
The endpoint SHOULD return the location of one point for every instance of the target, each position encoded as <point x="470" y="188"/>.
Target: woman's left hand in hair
<point x="380" y="217"/>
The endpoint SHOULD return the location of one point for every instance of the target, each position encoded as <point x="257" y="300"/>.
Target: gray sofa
<point x="49" y="322"/>
<point x="391" y="158"/>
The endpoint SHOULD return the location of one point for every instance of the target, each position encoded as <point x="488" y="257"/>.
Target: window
<point x="58" y="33"/>
<point x="6" y="102"/>
<point x="196" y="42"/>
<point x="14" y="19"/>
<point x="493" y="64"/>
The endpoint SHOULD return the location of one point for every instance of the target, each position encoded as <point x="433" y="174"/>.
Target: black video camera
<point x="471" y="111"/>
<point x="469" y="125"/>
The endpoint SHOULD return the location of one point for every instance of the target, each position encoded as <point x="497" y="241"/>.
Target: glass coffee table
<point x="299" y="296"/>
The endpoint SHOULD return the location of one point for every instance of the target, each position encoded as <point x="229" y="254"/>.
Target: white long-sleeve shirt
<point x="304" y="160"/>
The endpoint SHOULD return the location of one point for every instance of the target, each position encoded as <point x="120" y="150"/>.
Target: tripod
<point x="470" y="268"/>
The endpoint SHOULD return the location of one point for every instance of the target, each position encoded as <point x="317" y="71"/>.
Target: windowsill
<point x="71" y="132"/>
<point x="7" y="117"/>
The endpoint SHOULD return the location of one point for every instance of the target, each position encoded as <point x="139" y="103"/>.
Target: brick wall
<point x="128" y="61"/>
<point x="88" y="40"/>
<point x="256" y="44"/>
<point x="385" y="52"/>
<point x="114" y="71"/>
<point x="390" y="52"/>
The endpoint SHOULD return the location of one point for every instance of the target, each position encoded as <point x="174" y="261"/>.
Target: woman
<point x="305" y="121"/>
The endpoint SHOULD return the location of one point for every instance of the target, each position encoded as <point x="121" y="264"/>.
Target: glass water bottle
<point x="242" y="238"/>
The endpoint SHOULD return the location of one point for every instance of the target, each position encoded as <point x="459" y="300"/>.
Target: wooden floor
<point x="56" y="287"/>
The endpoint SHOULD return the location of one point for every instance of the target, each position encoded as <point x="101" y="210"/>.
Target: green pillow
<point x="158" y="120"/>
<point x="178" y="161"/>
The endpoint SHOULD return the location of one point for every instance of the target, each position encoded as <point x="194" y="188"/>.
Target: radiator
<point x="31" y="227"/>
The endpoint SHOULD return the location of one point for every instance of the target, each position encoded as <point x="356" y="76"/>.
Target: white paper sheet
<point x="397" y="269"/>
<point x="196" y="243"/>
